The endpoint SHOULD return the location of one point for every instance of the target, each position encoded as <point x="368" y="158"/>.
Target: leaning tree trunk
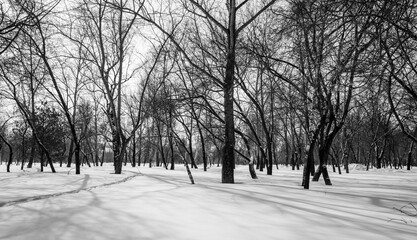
<point x="322" y="168"/>
<point x="251" y="163"/>
<point x="309" y="164"/>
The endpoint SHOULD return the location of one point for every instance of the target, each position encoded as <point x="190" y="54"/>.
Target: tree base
<point x="326" y="177"/>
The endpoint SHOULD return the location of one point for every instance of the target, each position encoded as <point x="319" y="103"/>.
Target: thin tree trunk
<point x="346" y="160"/>
<point x="161" y="145"/>
<point x="9" y="162"/>
<point x="191" y="153"/>
<point x="102" y="153"/>
<point x="134" y="150"/>
<point x="251" y="164"/>
<point x="203" y="146"/>
<point x="32" y="152"/>
<point x="409" y="156"/>
<point x="42" y="159"/>
<point x="292" y="162"/>
<point x="140" y="149"/>
<point x="171" y="146"/>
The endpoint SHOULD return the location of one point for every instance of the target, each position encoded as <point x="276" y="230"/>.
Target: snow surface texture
<point x="154" y="203"/>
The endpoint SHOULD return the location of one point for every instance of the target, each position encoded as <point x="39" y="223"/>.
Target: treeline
<point x="264" y="83"/>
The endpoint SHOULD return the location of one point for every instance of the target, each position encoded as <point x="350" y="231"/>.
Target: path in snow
<point x="82" y="188"/>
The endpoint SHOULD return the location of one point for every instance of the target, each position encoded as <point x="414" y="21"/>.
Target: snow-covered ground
<point x="144" y="203"/>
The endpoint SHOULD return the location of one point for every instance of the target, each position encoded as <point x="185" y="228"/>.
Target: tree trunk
<point x="171" y="146"/>
<point x="287" y="147"/>
<point x="292" y="162"/>
<point x="322" y="169"/>
<point x="190" y="176"/>
<point x="275" y="154"/>
<point x="1" y="154"/>
<point x="42" y="159"/>
<point x="32" y="152"/>
<point x="161" y="145"/>
<point x="9" y="162"/>
<point x="251" y="165"/>
<point x="102" y="154"/>
<point x="380" y="155"/>
<point x="32" y="114"/>
<point x="191" y="153"/>
<point x="85" y="159"/>
<point x="77" y="158"/>
<point x="338" y="166"/>
<point x="297" y="160"/>
<point x="228" y="162"/>
<point x="346" y="160"/>
<point x="70" y="153"/>
<point x="118" y="155"/>
<point x="23" y="150"/>
<point x="149" y="156"/>
<point x="96" y="148"/>
<point x="203" y="146"/>
<point x="309" y="163"/>
<point x="140" y="149"/>
<point x="269" y="149"/>
<point x="126" y="157"/>
<point x="134" y="150"/>
<point x="409" y="156"/>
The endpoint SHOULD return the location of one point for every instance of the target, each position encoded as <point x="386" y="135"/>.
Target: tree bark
<point x="161" y="144"/>
<point x="134" y="150"/>
<point x="9" y="162"/>
<point x="322" y="169"/>
<point x="70" y="154"/>
<point x="409" y="156"/>
<point x="102" y="154"/>
<point x="171" y="146"/>
<point x="32" y="152"/>
<point x="229" y="138"/>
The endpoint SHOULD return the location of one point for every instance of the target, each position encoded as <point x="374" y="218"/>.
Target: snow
<point x="154" y="203"/>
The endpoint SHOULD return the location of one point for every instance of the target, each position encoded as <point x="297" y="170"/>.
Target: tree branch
<point x="209" y="16"/>
<point x="254" y="16"/>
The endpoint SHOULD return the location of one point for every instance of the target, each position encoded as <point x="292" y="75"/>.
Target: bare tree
<point x="9" y="146"/>
<point x="228" y="30"/>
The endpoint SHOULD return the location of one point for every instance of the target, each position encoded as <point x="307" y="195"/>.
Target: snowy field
<point x="144" y="203"/>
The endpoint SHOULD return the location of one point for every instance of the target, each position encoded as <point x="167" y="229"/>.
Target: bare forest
<point x="311" y="84"/>
<point x="208" y="119"/>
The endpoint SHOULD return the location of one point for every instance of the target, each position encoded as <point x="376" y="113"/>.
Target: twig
<point x="399" y="220"/>
<point x="408" y="213"/>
